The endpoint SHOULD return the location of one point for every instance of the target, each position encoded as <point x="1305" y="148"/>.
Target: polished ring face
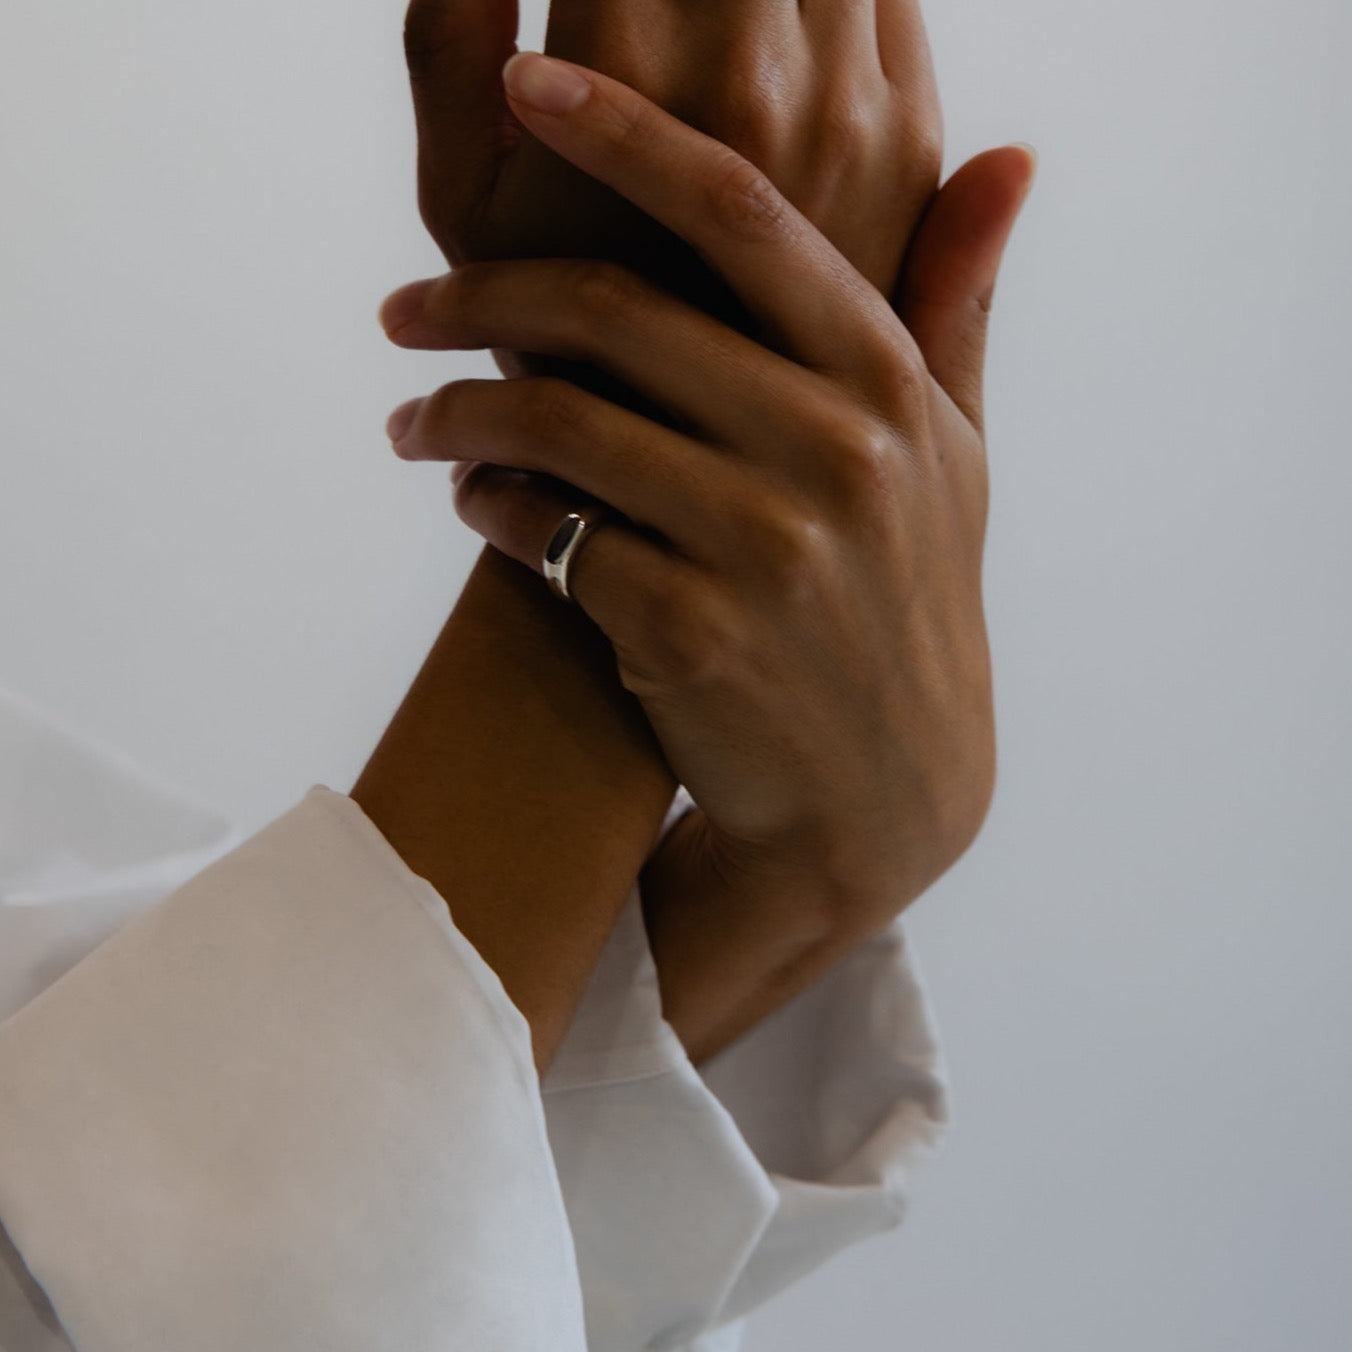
<point x="560" y="550"/>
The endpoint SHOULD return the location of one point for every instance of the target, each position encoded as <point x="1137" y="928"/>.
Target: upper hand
<point x="796" y="598"/>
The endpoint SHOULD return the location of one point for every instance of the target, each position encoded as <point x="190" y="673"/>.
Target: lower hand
<point x="836" y="103"/>
<point x="793" y="590"/>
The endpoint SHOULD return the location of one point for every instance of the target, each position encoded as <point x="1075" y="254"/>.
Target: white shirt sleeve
<point x="696" y="1195"/>
<point x="227" y="1074"/>
<point x="287" y="1107"/>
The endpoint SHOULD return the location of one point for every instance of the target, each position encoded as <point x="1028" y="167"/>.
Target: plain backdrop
<point x="209" y="558"/>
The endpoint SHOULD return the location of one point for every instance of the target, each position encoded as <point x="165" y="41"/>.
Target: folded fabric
<point x="280" y="1101"/>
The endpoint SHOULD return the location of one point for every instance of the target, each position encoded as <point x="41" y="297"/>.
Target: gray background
<point x="210" y="559"/>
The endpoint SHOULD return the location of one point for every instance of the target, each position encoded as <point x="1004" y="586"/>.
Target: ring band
<point x="563" y="547"/>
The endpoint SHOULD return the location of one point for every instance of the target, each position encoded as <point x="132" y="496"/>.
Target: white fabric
<point x="266" y="1095"/>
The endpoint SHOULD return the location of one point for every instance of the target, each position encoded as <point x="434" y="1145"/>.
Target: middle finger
<point x="810" y="299"/>
<point x="843" y="33"/>
<point x="706" y="375"/>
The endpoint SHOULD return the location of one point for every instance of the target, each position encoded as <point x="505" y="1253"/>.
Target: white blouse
<point x="264" y="1095"/>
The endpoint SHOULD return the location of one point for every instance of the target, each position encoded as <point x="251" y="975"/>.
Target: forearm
<point x="523" y="782"/>
<point x="728" y="950"/>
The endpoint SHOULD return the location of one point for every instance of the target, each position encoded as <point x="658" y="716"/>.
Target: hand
<point x="835" y="103"/>
<point x="794" y="590"/>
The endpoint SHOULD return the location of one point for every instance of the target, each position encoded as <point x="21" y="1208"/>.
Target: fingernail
<point x="401" y="420"/>
<point x="545" y="84"/>
<point x="1032" y="151"/>
<point x="400" y="308"/>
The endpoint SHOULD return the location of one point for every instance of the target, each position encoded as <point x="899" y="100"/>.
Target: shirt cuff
<point x="289" y="1107"/>
<point x="695" y="1195"/>
<point x="88" y="841"/>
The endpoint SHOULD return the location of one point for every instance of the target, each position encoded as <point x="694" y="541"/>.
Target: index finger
<point x="813" y="303"/>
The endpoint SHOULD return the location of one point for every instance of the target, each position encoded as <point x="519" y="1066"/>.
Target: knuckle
<point x="788" y="547"/>
<point x="629" y="123"/>
<point x="692" y="639"/>
<point x="497" y="500"/>
<point x="752" y="117"/>
<point x="744" y="200"/>
<point x="551" y="407"/>
<point x="606" y="291"/>
<point x="448" y="406"/>
<point x="890" y="370"/>
<point x="481" y="484"/>
<point x="863" y="464"/>
<point x="846" y="128"/>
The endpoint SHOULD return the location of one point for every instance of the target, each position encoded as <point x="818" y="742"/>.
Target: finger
<point x="617" y="574"/>
<point x="904" y="48"/>
<point x="908" y="62"/>
<point x="948" y="282"/>
<point x="807" y="297"/>
<point x="843" y="30"/>
<point x="707" y="376"/>
<point x="658" y="477"/>
<point x="455" y="50"/>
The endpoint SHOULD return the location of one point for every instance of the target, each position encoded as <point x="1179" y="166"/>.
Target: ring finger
<point x="617" y="575"/>
<point x="845" y="33"/>
<point x="656" y="476"/>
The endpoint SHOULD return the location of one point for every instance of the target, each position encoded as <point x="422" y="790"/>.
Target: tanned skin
<point x="528" y="770"/>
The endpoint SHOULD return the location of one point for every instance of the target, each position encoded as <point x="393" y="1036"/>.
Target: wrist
<point x="845" y="882"/>
<point x="730" y="946"/>
<point x="517" y="698"/>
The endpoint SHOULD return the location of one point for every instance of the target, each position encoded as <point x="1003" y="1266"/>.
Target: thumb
<point x="455" y="51"/>
<point x="948" y="280"/>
